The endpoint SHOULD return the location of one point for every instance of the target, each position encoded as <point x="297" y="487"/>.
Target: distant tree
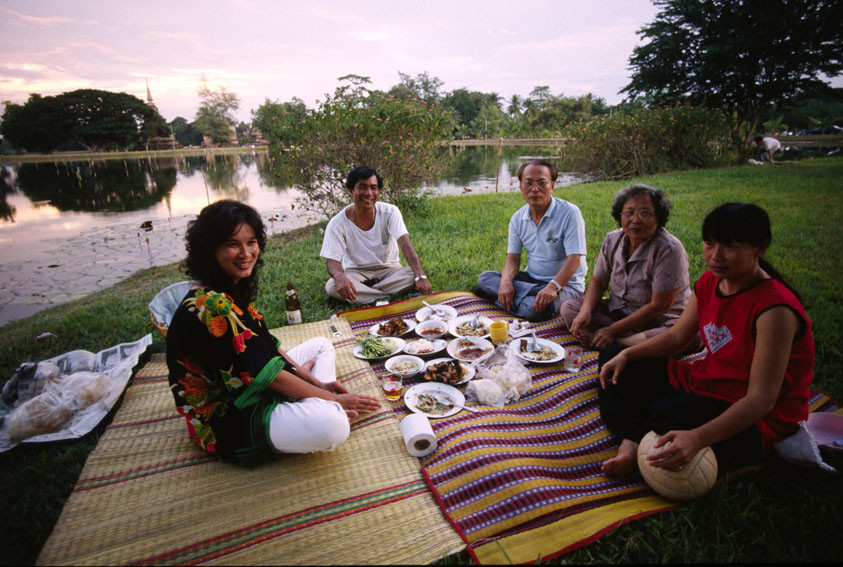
<point x="466" y="106"/>
<point x="280" y="121"/>
<point x="422" y="86"/>
<point x="737" y="56"/>
<point x="216" y="112"/>
<point x="186" y="133"/>
<point x="93" y="119"/>
<point x="514" y="107"/>
<point x="539" y="97"/>
<point x="398" y="136"/>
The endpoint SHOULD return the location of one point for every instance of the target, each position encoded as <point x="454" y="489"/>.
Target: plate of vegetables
<point x="377" y="348"/>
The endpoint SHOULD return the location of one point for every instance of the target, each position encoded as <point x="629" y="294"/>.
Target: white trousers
<point x="311" y="424"/>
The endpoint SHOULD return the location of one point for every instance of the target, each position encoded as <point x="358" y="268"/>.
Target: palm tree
<point x="514" y="105"/>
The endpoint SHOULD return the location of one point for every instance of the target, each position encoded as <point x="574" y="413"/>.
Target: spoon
<point x="533" y="345"/>
<point x="475" y="322"/>
<point x="434" y="310"/>
<point x="450" y="402"/>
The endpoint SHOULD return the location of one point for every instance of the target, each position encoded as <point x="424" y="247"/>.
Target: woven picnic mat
<point x="523" y="483"/>
<point x="147" y="494"/>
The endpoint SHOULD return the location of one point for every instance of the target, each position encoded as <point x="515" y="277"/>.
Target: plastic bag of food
<point x="61" y="398"/>
<point x="487" y="392"/>
<point x="504" y="368"/>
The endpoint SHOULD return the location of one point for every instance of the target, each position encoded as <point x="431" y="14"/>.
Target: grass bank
<point x="781" y="513"/>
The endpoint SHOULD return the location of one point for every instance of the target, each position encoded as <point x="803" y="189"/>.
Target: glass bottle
<point x="292" y="305"/>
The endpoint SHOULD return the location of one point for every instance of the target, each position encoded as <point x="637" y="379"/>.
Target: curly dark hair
<point x="207" y="232"/>
<point x="658" y="197"/>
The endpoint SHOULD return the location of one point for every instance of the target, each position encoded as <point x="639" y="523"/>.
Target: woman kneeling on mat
<point x="751" y="388"/>
<point x="242" y="396"/>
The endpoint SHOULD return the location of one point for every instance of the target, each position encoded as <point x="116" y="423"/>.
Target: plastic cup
<point x="573" y="359"/>
<point x="393" y="386"/>
<point x="498" y="331"/>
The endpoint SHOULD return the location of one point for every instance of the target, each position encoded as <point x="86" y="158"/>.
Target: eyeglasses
<point x="644" y="214"/>
<point x="530" y="184"/>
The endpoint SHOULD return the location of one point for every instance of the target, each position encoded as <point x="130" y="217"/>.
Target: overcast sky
<point x="281" y="49"/>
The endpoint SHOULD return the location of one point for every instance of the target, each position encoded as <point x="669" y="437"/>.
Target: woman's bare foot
<point x="625" y="462"/>
<point x="309" y="364"/>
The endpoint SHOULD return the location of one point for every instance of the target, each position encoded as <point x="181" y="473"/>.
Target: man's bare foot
<point x="585" y="337"/>
<point x="625" y="462"/>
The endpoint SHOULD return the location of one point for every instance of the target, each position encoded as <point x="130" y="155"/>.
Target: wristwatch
<point x="556" y="283"/>
<point x="421" y="277"/>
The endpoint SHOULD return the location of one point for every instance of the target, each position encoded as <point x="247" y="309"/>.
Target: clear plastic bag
<point x="504" y="369"/>
<point x="487" y="392"/>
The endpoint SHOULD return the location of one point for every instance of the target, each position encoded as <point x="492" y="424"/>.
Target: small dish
<point x="447" y="313"/>
<point x="394" y="344"/>
<point x="394" y="365"/>
<point x="438" y="346"/>
<point x="458" y="326"/>
<point x="375" y="329"/>
<point x="470" y="349"/>
<point x="432" y="329"/>
<point x="468" y="370"/>
<point x="557" y="349"/>
<point x="449" y="399"/>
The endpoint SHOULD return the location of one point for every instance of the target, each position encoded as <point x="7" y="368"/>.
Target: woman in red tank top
<point x="751" y="388"/>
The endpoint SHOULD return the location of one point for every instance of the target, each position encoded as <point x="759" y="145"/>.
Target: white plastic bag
<point x="504" y="369"/>
<point x="487" y="392"/>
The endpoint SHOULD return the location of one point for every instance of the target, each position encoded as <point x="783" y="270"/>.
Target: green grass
<point x="780" y="513"/>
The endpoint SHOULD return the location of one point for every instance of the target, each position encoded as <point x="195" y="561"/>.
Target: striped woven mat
<point x="148" y="495"/>
<point x="523" y="483"/>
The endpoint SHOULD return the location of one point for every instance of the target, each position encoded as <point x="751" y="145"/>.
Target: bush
<point x="399" y="136"/>
<point x="646" y="141"/>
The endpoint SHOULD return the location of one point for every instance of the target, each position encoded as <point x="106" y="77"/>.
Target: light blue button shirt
<point x="560" y="233"/>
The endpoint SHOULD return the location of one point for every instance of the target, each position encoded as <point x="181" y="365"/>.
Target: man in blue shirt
<point x="553" y="233"/>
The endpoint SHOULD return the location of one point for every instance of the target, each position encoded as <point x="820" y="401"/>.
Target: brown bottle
<point x="293" y="306"/>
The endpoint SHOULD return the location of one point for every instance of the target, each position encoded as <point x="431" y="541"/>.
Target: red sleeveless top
<point x="727" y="325"/>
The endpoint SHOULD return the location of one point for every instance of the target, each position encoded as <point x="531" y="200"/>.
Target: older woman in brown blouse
<point x="646" y="269"/>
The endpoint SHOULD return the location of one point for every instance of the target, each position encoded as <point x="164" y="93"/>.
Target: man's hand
<point x="345" y="287"/>
<point x="545" y="297"/>
<point x="506" y="292"/>
<point x="424" y="286"/>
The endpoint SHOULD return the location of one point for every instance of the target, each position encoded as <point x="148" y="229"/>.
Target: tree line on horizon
<point x="763" y="70"/>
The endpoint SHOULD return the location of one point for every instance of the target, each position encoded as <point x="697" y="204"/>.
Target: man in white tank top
<point x="361" y="246"/>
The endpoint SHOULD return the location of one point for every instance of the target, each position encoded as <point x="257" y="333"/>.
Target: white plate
<point x="442" y="391"/>
<point x="454" y="347"/>
<point x="397" y="343"/>
<point x="515" y="347"/>
<point x="423" y="314"/>
<point x="419" y="368"/>
<point x="454" y="323"/>
<point x="468" y="370"/>
<point x="411" y="324"/>
<point x="439" y="345"/>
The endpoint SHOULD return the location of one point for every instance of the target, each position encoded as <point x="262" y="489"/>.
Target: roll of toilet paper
<point x="418" y="435"/>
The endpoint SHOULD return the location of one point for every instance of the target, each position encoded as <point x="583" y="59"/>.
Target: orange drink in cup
<point x="498" y="331"/>
<point x="393" y="386"/>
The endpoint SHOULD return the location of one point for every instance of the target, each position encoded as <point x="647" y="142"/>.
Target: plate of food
<point x="443" y="312"/>
<point x="376" y="348"/>
<point x="434" y="399"/>
<point x="405" y="365"/>
<point x="463" y="327"/>
<point x="448" y="371"/>
<point x="470" y="349"/>
<point x="424" y="347"/>
<point x="548" y="353"/>
<point x="396" y="327"/>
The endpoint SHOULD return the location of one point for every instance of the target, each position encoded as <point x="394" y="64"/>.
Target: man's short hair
<point x="553" y="173"/>
<point x="759" y="138"/>
<point x="361" y="173"/>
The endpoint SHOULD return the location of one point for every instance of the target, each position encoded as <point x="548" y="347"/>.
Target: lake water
<point x="68" y="229"/>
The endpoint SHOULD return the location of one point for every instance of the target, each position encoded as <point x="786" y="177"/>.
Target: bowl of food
<point x="395" y="327"/>
<point x="431" y="329"/>
<point x="425" y="348"/>
<point x="470" y="326"/>
<point x="441" y="311"/>
<point x="470" y="349"/>
<point x="448" y="371"/>
<point x="404" y="364"/>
